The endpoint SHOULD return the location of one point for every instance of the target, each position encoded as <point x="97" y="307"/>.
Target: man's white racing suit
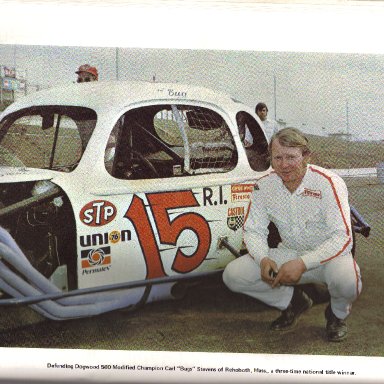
<point x="314" y="224"/>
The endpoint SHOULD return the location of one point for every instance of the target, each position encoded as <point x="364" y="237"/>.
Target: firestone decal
<point x="97" y="213"/>
<point x="312" y="193"/>
<point x="241" y="192"/>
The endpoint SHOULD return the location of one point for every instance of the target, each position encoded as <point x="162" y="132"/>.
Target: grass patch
<point x="32" y="146"/>
<point x="335" y="153"/>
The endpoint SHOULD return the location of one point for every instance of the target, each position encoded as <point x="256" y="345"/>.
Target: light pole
<point x="347" y="117"/>
<point x="274" y="92"/>
<point x="117" y="63"/>
<point x="1" y="85"/>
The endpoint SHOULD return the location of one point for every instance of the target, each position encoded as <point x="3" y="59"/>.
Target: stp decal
<point x="99" y="257"/>
<point x="169" y="230"/>
<point x="235" y="219"/>
<point x="241" y="192"/>
<point x="97" y="213"/>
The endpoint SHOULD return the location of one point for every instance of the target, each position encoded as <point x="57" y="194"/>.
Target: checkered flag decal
<point x="235" y="222"/>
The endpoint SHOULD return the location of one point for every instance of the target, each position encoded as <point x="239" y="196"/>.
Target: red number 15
<point x="169" y="230"/>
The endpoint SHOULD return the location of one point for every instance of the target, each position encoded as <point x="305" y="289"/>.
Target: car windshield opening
<point x="46" y="137"/>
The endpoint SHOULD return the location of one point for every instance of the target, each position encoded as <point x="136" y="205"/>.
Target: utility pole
<point x="347" y="117"/>
<point x="14" y="56"/>
<point x="1" y="85"/>
<point x="274" y="92"/>
<point x="14" y="68"/>
<point x="117" y="63"/>
<point x="26" y="82"/>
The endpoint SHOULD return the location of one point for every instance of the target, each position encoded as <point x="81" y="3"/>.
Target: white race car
<point x="114" y="194"/>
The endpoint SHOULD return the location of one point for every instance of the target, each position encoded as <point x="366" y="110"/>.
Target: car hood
<point x="20" y="174"/>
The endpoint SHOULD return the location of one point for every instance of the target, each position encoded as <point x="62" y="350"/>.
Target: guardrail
<point x="356" y="172"/>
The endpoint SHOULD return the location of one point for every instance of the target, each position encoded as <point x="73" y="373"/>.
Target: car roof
<point x="114" y="95"/>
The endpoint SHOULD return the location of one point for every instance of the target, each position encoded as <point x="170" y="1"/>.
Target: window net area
<point x="200" y="135"/>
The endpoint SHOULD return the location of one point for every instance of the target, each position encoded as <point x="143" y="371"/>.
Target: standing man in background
<point x="270" y="126"/>
<point x="86" y="73"/>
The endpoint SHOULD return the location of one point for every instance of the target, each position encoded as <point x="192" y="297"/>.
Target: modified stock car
<point x="114" y="194"/>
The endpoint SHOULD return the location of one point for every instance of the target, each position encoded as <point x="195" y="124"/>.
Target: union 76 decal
<point x="169" y="230"/>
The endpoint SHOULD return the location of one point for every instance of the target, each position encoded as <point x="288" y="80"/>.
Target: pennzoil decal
<point x="235" y="219"/>
<point x="241" y="192"/>
<point x="96" y="260"/>
<point x="97" y="213"/>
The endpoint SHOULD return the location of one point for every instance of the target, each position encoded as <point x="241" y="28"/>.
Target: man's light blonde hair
<point x="291" y="137"/>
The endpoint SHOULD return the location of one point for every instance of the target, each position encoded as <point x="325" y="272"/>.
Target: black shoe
<point x="288" y="319"/>
<point x="336" y="328"/>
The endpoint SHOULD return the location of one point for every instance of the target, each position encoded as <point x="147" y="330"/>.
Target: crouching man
<point x="309" y="206"/>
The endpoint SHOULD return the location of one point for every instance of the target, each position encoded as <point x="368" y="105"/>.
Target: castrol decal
<point x="235" y="219"/>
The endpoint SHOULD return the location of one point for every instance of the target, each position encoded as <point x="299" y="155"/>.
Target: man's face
<point x="85" y="77"/>
<point x="262" y="113"/>
<point x="289" y="163"/>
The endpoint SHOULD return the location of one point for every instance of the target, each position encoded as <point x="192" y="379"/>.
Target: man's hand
<point x="266" y="266"/>
<point x="289" y="273"/>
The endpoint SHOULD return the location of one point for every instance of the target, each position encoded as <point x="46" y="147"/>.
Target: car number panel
<point x="151" y="235"/>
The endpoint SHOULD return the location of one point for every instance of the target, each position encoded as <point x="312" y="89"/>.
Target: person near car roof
<point x="309" y="205"/>
<point x="87" y="73"/>
<point x="270" y="126"/>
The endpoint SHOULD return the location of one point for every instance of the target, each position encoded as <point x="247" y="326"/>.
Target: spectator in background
<point x="86" y="73"/>
<point x="245" y="134"/>
<point x="270" y="126"/>
<point x="254" y="142"/>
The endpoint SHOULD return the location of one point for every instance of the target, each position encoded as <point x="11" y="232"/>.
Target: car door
<point x="171" y="199"/>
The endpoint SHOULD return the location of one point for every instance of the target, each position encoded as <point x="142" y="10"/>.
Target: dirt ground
<point x="212" y="319"/>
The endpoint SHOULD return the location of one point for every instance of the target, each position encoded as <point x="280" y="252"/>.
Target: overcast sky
<point x="314" y="91"/>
